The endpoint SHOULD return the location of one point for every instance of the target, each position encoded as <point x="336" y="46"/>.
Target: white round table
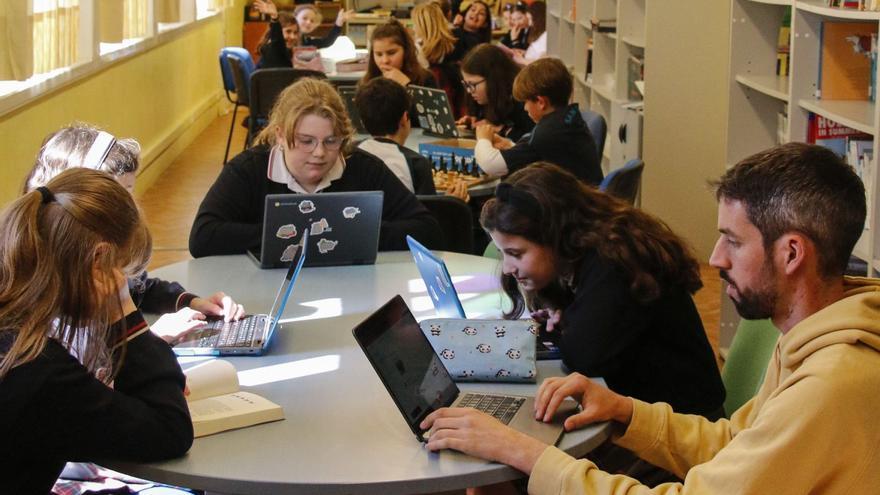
<point x="342" y="432"/>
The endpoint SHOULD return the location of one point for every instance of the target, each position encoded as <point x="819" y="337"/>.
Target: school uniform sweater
<point x="275" y="52"/>
<point x="52" y="410"/>
<point x="812" y="427"/>
<point x="322" y="42"/>
<point x="656" y="351"/>
<point x="561" y="137"/>
<point x="230" y="218"/>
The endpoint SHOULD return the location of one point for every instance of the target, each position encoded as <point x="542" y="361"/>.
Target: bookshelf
<point x="758" y="97"/>
<point x="604" y="87"/>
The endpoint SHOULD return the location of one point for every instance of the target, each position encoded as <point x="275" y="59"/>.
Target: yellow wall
<point x="685" y="125"/>
<point x="163" y="97"/>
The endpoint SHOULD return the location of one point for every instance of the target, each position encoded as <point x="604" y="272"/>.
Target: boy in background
<point x="384" y="106"/>
<point x="560" y="135"/>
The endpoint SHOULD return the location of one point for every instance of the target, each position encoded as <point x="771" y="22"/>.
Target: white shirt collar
<point x="277" y="172"/>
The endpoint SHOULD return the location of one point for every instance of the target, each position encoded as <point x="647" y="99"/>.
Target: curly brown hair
<point x="551" y="207"/>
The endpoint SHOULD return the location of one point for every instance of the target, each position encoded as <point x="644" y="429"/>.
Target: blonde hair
<point x="307" y="96"/>
<point x="432" y="28"/>
<point x="57" y="244"/>
<point x="67" y="148"/>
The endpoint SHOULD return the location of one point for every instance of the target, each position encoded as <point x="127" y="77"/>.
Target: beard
<point x="758" y="303"/>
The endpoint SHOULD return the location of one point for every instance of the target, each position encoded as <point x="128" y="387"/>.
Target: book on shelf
<point x="217" y="404"/>
<point x="783" y="45"/>
<point x="782" y="125"/>
<point x="860" y="156"/>
<point x="830" y="134"/>
<point x="845" y="60"/>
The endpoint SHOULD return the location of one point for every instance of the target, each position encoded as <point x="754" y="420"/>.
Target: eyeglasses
<point x="308" y="144"/>
<point x="471" y="87"/>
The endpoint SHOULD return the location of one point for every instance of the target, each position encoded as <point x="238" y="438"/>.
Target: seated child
<point x="85" y="146"/>
<point x="393" y="54"/>
<point x="64" y="287"/>
<point x="383" y="104"/>
<point x="309" y="19"/>
<point x="279" y="40"/>
<point x="304" y="150"/>
<point x="560" y="135"/>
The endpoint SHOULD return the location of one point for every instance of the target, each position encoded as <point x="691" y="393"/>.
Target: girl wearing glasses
<point x="304" y="150"/>
<point x="487" y="74"/>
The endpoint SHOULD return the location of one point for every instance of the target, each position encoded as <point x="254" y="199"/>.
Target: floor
<point x="171" y="204"/>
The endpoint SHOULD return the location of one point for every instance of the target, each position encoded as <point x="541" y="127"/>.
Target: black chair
<point x="266" y="85"/>
<point x="625" y="182"/>
<point x="456" y="221"/>
<point x="240" y="77"/>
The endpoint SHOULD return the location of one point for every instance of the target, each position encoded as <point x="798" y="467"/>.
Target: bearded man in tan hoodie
<point x="788" y="218"/>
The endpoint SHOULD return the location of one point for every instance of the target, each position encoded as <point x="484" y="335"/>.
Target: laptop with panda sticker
<point x="343" y="228"/>
<point x="445" y="298"/>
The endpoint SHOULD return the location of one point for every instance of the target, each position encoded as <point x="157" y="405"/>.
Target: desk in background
<point x="343" y="433"/>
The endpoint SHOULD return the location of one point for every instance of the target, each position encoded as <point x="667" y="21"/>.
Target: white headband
<point x="99" y="150"/>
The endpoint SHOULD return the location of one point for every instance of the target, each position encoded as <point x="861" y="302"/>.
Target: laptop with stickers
<point x="344" y="228"/>
<point x="250" y="335"/>
<point x="434" y="112"/>
<point x="445" y="298"/>
<point x="419" y="383"/>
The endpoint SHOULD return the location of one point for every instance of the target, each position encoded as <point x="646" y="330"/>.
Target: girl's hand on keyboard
<point x="218" y="304"/>
<point x="480" y="435"/>
<point x="171" y="327"/>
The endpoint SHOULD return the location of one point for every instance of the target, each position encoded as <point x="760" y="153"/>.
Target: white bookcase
<point x="571" y="29"/>
<point x="758" y="96"/>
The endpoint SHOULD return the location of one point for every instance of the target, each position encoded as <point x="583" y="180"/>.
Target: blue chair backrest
<point x="226" y="71"/>
<point x="624" y="182"/>
<point x="598" y="128"/>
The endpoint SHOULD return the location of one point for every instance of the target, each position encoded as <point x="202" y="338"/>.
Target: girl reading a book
<point x="279" y="40"/>
<point x="487" y="74"/>
<point x="394" y="55"/>
<point x="614" y="282"/>
<point x="67" y="251"/>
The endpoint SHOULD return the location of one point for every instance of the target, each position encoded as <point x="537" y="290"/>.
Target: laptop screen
<point x="405" y="362"/>
<point x="438" y="283"/>
<point x="289" y="281"/>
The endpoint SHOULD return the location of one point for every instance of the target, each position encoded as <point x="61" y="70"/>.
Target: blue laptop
<point x="446" y="301"/>
<point x="250" y="335"/>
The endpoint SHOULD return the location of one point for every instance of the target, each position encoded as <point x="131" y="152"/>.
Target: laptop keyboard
<point x="232" y="333"/>
<point x="502" y="407"/>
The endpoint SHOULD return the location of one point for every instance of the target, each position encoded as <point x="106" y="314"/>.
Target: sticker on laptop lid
<point x="289" y="253"/>
<point x="326" y="245"/>
<point x="286" y="231"/>
<point x="350" y="212"/>
<point x="320" y="227"/>
<point x="306" y="206"/>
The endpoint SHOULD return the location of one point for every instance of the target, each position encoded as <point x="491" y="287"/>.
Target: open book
<point x="216" y="404"/>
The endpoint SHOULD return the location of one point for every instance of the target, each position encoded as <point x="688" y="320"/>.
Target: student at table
<point x="487" y="74"/>
<point x="303" y="150"/>
<point x="537" y="37"/>
<point x="281" y="37"/>
<point x="82" y="145"/>
<point x="560" y="134"/>
<point x="437" y="47"/>
<point x="383" y="105"/>
<point x="788" y="219"/>
<point x="309" y="19"/>
<point x="474" y="27"/>
<point x="68" y="250"/>
<point x="517" y="37"/>
<point x="393" y="54"/>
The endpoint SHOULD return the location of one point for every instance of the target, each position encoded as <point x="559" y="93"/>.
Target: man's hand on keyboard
<point x="218" y="304"/>
<point x="480" y="435"/>
<point x="171" y="327"/>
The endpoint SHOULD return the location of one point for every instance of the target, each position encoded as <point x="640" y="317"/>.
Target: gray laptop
<point x="344" y="228"/>
<point x="434" y="112"/>
<point x="250" y="335"/>
<point x="446" y="302"/>
<point x="419" y="383"/>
